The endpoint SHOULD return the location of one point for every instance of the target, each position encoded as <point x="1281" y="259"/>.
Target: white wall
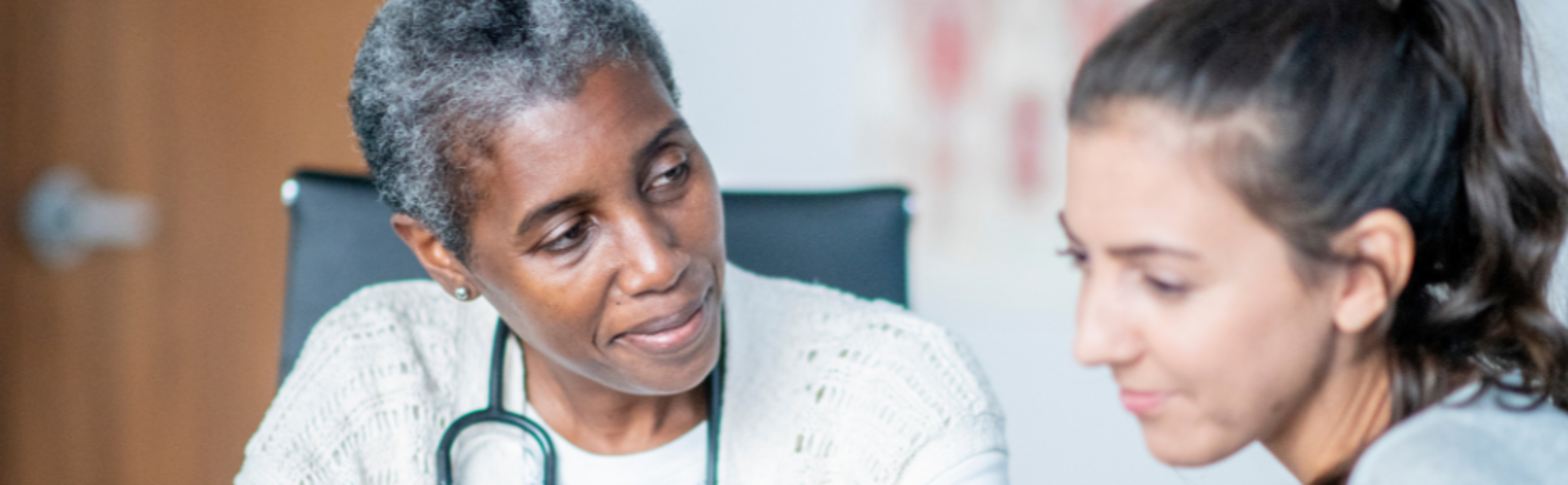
<point x="770" y="88"/>
<point x="1546" y="23"/>
<point x="767" y="86"/>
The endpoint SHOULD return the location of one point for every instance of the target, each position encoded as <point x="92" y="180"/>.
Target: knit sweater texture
<point x="820" y="387"/>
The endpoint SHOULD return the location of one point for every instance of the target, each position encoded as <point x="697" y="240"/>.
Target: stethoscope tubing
<point x="495" y="412"/>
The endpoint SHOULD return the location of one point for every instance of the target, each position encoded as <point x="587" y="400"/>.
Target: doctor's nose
<point x="653" y="262"/>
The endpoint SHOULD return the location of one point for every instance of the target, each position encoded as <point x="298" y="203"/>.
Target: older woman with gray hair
<point x="539" y="167"/>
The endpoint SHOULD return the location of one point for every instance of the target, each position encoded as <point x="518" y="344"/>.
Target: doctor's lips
<point x="1143" y="403"/>
<point x="669" y="333"/>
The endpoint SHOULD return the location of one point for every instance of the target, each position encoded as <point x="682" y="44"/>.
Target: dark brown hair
<point x="1419" y="106"/>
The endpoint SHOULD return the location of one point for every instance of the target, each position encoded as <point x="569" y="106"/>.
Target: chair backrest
<point x="340" y="240"/>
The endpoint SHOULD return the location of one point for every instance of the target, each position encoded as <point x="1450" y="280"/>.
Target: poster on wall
<point x="963" y="101"/>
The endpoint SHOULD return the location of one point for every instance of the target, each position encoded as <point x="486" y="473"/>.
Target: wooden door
<point x="154" y="365"/>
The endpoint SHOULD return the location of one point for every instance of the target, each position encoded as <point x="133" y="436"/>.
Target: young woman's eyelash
<point x="1077" y="256"/>
<point x="1166" y="288"/>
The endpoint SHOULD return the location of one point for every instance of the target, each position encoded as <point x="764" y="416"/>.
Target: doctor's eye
<point x="674" y="175"/>
<point x="570" y="237"/>
<point x="669" y="176"/>
<point x="669" y="173"/>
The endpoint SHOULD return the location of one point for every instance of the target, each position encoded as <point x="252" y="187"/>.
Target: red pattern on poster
<point x="1027" y="138"/>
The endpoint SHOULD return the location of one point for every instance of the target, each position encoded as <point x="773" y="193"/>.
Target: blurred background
<point x="154" y="363"/>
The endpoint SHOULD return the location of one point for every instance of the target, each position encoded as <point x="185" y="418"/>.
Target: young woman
<point x="1325" y="225"/>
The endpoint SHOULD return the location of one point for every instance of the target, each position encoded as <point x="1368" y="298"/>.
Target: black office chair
<point x="340" y="241"/>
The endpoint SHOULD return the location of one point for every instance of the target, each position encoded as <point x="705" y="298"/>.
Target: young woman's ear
<point x="1382" y="247"/>
<point x="442" y="265"/>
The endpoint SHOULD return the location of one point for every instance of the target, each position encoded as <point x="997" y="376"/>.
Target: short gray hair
<point x="434" y="79"/>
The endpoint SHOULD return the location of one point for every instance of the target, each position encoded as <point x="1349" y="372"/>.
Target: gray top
<point x="1477" y="443"/>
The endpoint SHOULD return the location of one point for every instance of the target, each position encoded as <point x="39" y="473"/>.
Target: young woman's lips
<point x="1143" y="403"/>
<point x="668" y="333"/>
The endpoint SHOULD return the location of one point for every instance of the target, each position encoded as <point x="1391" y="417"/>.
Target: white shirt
<point x="495" y="460"/>
<point x="491" y="455"/>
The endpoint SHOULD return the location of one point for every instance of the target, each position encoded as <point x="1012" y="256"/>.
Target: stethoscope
<point x="495" y="413"/>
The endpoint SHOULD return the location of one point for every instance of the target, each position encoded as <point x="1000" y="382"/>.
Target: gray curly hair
<point x="434" y="79"/>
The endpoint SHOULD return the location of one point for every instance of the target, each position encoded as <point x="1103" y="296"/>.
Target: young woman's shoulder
<point x="1488" y="439"/>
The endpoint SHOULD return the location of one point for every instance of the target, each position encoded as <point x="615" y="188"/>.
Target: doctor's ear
<point x="441" y="263"/>
<point x="1381" y="246"/>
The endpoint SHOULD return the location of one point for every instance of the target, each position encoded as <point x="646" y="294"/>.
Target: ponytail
<point x="1511" y="224"/>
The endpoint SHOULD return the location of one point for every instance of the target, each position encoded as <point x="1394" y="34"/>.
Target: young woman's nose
<point x="1105" y="335"/>
<point x="652" y="260"/>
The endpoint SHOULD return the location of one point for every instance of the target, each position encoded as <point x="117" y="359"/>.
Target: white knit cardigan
<point x="820" y="387"/>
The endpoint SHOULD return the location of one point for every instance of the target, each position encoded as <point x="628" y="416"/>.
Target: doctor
<point x="540" y="169"/>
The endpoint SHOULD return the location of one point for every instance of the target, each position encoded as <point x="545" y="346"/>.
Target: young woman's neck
<point x="1351" y="409"/>
<point x="605" y="421"/>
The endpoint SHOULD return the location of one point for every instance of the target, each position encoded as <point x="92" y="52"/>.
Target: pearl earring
<point x="462" y="293"/>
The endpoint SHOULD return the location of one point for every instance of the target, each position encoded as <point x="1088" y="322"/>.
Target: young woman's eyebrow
<point x="1140" y="251"/>
<point x="1136" y="251"/>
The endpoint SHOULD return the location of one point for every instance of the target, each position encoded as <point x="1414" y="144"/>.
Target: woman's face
<point x="1189" y="299"/>
<point x="599" y="235"/>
